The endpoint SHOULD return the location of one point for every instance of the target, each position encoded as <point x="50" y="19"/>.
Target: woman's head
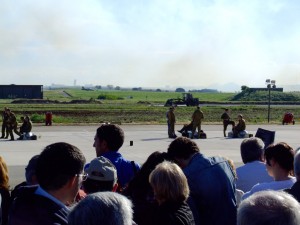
<point x="169" y="183"/>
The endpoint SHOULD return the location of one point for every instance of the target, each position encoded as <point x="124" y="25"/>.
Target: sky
<point x="150" y="43"/>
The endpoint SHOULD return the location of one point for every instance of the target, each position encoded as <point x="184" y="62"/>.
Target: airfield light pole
<point x="270" y="84"/>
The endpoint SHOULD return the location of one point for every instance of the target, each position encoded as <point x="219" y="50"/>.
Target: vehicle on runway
<point x="187" y="99"/>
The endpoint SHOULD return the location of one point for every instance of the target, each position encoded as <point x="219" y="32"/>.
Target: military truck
<point x="187" y="99"/>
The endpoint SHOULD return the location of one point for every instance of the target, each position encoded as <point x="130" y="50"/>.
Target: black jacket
<point x="294" y="190"/>
<point x="29" y="208"/>
<point x="174" y="213"/>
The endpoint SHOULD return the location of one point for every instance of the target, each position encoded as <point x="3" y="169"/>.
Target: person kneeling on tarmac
<point x="25" y="129"/>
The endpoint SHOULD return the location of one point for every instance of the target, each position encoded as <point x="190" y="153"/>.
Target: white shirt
<point x="250" y="174"/>
<point x="274" y="185"/>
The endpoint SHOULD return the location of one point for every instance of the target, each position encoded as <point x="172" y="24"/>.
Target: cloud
<point x="150" y="43"/>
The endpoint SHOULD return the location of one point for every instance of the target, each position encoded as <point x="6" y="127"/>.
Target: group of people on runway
<point x="10" y="125"/>
<point x="195" y="123"/>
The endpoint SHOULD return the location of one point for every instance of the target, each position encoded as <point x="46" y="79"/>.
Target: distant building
<point x="21" y="91"/>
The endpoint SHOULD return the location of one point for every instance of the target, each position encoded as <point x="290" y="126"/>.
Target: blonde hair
<point x="169" y="183"/>
<point x="4" y="179"/>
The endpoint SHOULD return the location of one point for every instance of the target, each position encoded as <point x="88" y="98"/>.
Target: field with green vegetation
<point x="74" y="106"/>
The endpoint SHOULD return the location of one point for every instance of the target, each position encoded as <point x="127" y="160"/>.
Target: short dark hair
<point x="282" y="153"/>
<point x="58" y="163"/>
<point x="112" y="134"/>
<point x="183" y="148"/>
<point x="92" y="186"/>
<point x="252" y="149"/>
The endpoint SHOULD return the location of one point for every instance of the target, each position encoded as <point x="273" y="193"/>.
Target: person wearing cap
<point x="171" y="122"/>
<point x="101" y="176"/>
<point x="197" y="117"/>
<point x="226" y="121"/>
<point x="109" y="138"/>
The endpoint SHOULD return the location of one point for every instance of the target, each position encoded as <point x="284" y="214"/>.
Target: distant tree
<point x="244" y="88"/>
<point x="158" y="90"/>
<point x="117" y="88"/>
<point x="137" y="89"/>
<point x="110" y="87"/>
<point x="179" y="90"/>
<point x="98" y="87"/>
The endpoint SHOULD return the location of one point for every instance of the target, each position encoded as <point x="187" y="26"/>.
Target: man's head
<point x="269" y="207"/>
<point x="252" y="149"/>
<point x="60" y="165"/>
<point x="30" y="171"/>
<point x="109" y="137"/>
<point x="102" y="208"/>
<point x="182" y="149"/>
<point x="101" y="176"/>
<point x="280" y="154"/>
<point x="240" y="116"/>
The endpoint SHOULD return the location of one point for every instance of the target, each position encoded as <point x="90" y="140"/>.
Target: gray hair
<point x="269" y="208"/>
<point x="102" y="208"/>
<point x="252" y="149"/>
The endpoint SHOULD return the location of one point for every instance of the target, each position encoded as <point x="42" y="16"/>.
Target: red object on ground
<point x="48" y="118"/>
<point x="288" y="118"/>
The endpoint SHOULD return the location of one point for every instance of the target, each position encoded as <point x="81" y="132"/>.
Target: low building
<point x="21" y="91"/>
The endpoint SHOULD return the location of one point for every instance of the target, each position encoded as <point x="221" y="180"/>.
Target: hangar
<point x="21" y="91"/>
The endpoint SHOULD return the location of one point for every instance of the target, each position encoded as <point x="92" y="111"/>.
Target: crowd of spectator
<point x="179" y="186"/>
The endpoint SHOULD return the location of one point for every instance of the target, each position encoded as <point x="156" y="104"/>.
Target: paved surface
<point x="146" y="139"/>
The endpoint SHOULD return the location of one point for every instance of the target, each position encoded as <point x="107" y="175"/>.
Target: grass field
<point x="139" y="107"/>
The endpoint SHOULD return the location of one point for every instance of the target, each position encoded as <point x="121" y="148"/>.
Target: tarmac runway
<point x="146" y="139"/>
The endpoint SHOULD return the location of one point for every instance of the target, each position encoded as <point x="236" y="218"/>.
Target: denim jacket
<point x="212" y="190"/>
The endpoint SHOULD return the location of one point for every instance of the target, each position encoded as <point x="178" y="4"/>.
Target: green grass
<point x="140" y="107"/>
<point x="132" y="96"/>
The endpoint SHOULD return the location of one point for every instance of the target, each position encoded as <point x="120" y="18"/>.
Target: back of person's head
<point x="252" y="149"/>
<point x="4" y="178"/>
<point x="112" y="134"/>
<point x="102" y="208"/>
<point x="269" y="208"/>
<point x="183" y="148"/>
<point x="297" y="164"/>
<point x="58" y="163"/>
<point x="140" y="183"/>
<point x="282" y="153"/>
<point x="169" y="183"/>
<point x="30" y="170"/>
<point x="101" y="175"/>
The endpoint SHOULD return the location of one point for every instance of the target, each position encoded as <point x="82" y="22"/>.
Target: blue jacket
<point x="125" y="168"/>
<point x="212" y="190"/>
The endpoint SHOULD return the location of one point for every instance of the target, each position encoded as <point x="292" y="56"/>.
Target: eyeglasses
<point x="82" y="175"/>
